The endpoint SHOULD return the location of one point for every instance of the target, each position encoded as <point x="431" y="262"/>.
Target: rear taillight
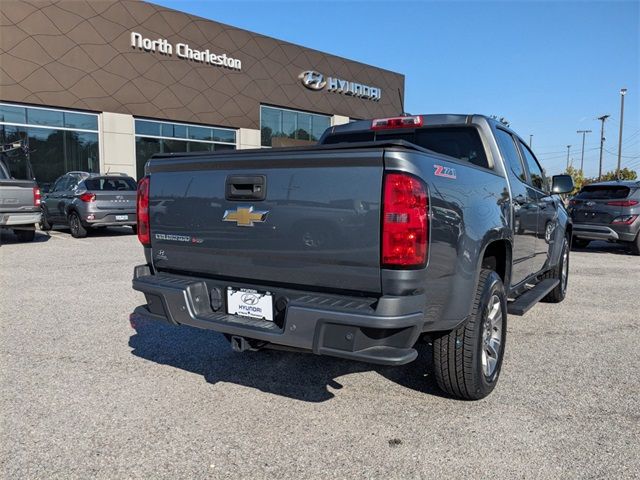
<point x="142" y="210"/>
<point x="413" y="121"/>
<point x="623" y="203"/>
<point x="88" y="197"/>
<point x="37" y="197"/>
<point x="405" y="223"/>
<point x="625" y="219"/>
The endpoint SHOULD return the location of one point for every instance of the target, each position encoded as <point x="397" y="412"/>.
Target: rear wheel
<point x="77" y="230"/>
<point x="468" y="360"/>
<point x="26" y="235"/>
<point x="561" y="272"/>
<point x="580" y="242"/>
<point x="635" y="245"/>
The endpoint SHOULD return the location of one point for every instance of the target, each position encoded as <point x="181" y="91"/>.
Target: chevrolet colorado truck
<point x="387" y="232"/>
<point x="19" y="205"/>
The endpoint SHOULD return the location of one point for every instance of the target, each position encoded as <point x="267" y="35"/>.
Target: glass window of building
<point x="53" y="142"/>
<point x="163" y="137"/>
<point x="280" y="127"/>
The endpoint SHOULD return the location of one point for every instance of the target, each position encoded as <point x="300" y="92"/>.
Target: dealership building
<point x="103" y="85"/>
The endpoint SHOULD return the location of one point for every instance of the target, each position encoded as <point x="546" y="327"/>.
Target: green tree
<point x="578" y="179"/>
<point x="625" y="174"/>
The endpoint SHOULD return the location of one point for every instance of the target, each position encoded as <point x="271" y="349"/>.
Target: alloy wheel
<point x="492" y="337"/>
<point x="564" y="273"/>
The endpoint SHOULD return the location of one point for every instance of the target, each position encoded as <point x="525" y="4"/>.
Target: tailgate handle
<point x="242" y="187"/>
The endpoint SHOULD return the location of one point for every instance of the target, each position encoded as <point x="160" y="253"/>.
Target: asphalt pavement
<point x="83" y="395"/>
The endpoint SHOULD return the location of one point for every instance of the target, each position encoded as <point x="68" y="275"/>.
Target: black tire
<point x="26" y="235"/>
<point x="45" y="225"/>
<point x="561" y="272"/>
<point x="77" y="229"/>
<point x="580" y="242"/>
<point x="635" y="245"/>
<point x="460" y="357"/>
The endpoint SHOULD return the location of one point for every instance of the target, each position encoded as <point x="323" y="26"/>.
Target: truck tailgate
<point x="17" y="195"/>
<point x="309" y="219"/>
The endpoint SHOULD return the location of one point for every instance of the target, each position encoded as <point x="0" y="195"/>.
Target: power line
<point x="623" y="156"/>
<point x="564" y="154"/>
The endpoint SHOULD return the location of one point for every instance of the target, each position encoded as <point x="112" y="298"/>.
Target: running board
<point x="528" y="299"/>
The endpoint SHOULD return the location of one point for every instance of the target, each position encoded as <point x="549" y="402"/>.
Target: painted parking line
<point x="65" y="237"/>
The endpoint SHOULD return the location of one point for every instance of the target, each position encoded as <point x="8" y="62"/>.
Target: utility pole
<point x="568" y="150"/>
<point x="623" y="92"/>
<point x="603" y="119"/>
<point x="584" y="133"/>
<point x="530" y="141"/>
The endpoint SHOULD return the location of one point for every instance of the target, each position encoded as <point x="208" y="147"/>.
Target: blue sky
<point x="550" y="68"/>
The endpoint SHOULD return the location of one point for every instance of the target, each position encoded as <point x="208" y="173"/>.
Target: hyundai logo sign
<point x="315" y="80"/>
<point x="312" y="80"/>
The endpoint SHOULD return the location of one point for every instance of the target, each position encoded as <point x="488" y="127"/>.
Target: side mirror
<point x="562" y="184"/>
<point x="45" y="188"/>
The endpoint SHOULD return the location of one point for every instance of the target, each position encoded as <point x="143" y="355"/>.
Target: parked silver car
<point x="85" y="200"/>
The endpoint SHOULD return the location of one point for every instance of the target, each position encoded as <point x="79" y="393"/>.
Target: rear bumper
<point x="108" y="219"/>
<point x="383" y="332"/>
<point x="19" y="218"/>
<point x="612" y="233"/>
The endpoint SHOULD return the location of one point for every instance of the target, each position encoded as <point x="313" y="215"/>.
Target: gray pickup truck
<point x="386" y="232"/>
<point x="19" y="205"/>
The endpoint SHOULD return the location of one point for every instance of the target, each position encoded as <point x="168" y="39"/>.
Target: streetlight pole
<point x="623" y="92"/>
<point x="584" y="133"/>
<point x="568" y="150"/>
<point x="603" y="119"/>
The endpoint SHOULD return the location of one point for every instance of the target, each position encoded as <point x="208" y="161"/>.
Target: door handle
<point x="246" y="187"/>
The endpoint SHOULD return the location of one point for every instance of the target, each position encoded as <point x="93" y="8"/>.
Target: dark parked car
<point x="89" y="200"/>
<point x="607" y="211"/>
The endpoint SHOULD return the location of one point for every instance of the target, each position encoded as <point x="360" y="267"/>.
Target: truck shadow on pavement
<point x="301" y="376"/>
<point x="98" y="232"/>
<point x="9" y="238"/>
<point x="605" y="247"/>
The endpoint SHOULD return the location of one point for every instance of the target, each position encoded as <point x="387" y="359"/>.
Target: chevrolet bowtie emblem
<point x="245" y="216"/>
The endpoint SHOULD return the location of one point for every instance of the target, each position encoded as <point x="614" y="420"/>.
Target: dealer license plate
<point x="250" y="303"/>
<point x="122" y="217"/>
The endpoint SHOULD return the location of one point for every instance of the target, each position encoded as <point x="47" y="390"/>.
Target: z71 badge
<point x="446" y="172"/>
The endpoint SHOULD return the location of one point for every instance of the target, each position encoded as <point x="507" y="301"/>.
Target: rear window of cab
<point x="463" y="143"/>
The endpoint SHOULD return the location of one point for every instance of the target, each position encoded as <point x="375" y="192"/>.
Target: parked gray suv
<point x="89" y="200"/>
<point x="607" y="211"/>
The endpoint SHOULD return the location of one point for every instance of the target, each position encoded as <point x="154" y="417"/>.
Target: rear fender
<point x="563" y="229"/>
<point x="502" y="239"/>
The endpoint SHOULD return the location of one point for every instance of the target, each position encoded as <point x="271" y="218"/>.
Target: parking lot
<point x="83" y="395"/>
